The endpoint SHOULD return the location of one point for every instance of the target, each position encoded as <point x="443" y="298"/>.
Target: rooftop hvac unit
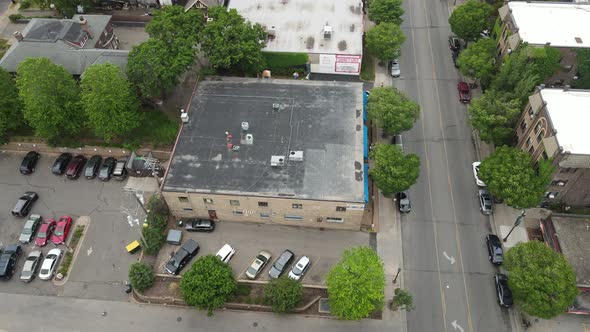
<point x="277" y="161"/>
<point x="249" y="139"/>
<point x="296" y="155"/>
<point x="275" y="107"/>
<point x="327" y="31"/>
<point x="184" y="117"/>
<point x="245" y="125"/>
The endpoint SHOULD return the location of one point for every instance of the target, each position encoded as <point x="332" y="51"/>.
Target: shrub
<point x="14" y="17"/>
<point x="141" y="276"/>
<point x="243" y="289"/>
<point x="152" y="241"/>
<point x="285" y="63"/>
<point x="283" y="294"/>
<point x="24" y="4"/>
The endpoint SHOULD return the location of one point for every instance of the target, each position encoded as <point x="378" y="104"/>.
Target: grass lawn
<point x="3" y="46"/>
<point x="368" y="67"/>
<point x="156" y="129"/>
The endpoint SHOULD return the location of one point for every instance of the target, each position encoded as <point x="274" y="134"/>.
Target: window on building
<point x="341" y="208"/>
<point x="238" y="213"/>
<point x="188" y="209"/>
<point x="544" y="155"/>
<point x="530" y="111"/>
<point x="523" y="126"/>
<point x="297" y="206"/>
<point x="568" y="170"/>
<point x="334" y="219"/>
<point x="538" y="127"/>
<point x="264" y="215"/>
<point x="234" y="202"/>
<point x="208" y="200"/>
<point x="183" y="199"/>
<point x="529" y="142"/>
<point x="263" y="204"/>
<point x="531" y="150"/>
<point x="540" y="136"/>
<point x="293" y="217"/>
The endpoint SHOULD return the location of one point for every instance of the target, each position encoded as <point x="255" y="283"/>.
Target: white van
<point x="226" y="253"/>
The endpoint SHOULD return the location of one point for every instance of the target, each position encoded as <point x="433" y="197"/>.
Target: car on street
<point x="182" y="256"/>
<point x="30" y="268"/>
<point x="398" y="140"/>
<point x="44" y="232"/>
<point x="62" y="229"/>
<point x="454" y="43"/>
<point x="403" y="199"/>
<point x="24" y="204"/>
<point x="106" y="169"/>
<point x="281" y="264"/>
<point x="394" y="68"/>
<point x="226" y="253"/>
<point x="455" y="57"/>
<point x="464" y="94"/>
<point x="485" y="201"/>
<point x="50" y="264"/>
<point x="8" y="259"/>
<point x="75" y="167"/>
<point x="60" y="164"/>
<point x="120" y="172"/>
<point x="27" y="166"/>
<point x="475" y="167"/>
<point x="258" y="264"/>
<point x="92" y="167"/>
<point x="502" y="291"/>
<point x="199" y="225"/>
<point x="495" y="252"/>
<point x="300" y="268"/>
<point x="30" y="228"/>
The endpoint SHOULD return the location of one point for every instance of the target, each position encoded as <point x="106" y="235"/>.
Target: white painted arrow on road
<point x="451" y="258"/>
<point x="89" y="251"/>
<point x="457" y="326"/>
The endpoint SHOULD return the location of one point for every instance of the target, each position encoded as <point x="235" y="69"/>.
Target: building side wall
<point x="267" y="210"/>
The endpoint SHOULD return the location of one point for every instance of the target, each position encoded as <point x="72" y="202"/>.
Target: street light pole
<point x="399" y="269"/>
<point x="517" y="222"/>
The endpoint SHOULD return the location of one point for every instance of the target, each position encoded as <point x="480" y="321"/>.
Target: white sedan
<point x="50" y="264"/>
<point x="300" y="268"/>
<point x="475" y="166"/>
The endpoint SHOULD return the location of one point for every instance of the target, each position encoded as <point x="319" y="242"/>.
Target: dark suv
<point x="188" y="250"/>
<point x="24" y="204"/>
<point x="75" y="167"/>
<point x="502" y="291"/>
<point x="495" y="252"/>
<point x="106" y="169"/>
<point x="27" y="166"/>
<point x="60" y="164"/>
<point x="92" y="167"/>
<point x="281" y="264"/>
<point x="199" y="225"/>
<point x="8" y="261"/>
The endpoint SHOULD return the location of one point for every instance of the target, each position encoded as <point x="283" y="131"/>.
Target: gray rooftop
<point x="322" y="119"/>
<point x="574" y="235"/>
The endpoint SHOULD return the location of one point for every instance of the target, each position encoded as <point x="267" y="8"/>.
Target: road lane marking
<point x="457" y="326"/>
<point x="89" y="251"/>
<point x="450" y="258"/>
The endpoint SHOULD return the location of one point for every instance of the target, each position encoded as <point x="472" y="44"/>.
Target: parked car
<point x="50" y="264"/>
<point x="258" y="264"/>
<point x="485" y="201"/>
<point x="30" y="268"/>
<point x="120" y="173"/>
<point x="75" y="167"/>
<point x="502" y="291"/>
<point x="182" y="256"/>
<point x="394" y="68"/>
<point x="300" y="268"/>
<point x="199" y="225"/>
<point x="226" y="253"/>
<point x="455" y="57"/>
<point x="62" y="229"/>
<point x="24" y="204"/>
<point x="495" y="252"/>
<point x="464" y="94"/>
<point x="44" y="233"/>
<point x="30" y="228"/>
<point x="403" y="199"/>
<point x="454" y="43"/>
<point x="475" y="167"/>
<point x="398" y="140"/>
<point x="106" y="169"/>
<point x="27" y="166"/>
<point x="92" y="167"/>
<point x="281" y="264"/>
<point x="8" y="260"/>
<point x="60" y="164"/>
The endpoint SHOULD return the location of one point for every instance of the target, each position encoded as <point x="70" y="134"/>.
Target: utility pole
<point x="517" y="222"/>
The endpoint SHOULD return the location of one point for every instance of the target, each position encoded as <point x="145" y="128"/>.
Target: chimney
<point x="19" y="36"/>
<point x="82" y="20"/>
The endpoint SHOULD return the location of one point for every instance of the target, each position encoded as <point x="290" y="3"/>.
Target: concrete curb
<point x="81" y="221"/>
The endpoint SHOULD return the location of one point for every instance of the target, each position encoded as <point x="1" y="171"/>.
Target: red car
<point x="61" y="230"/>
<point x="464" y="95"/>
<point x="44" y="232"/>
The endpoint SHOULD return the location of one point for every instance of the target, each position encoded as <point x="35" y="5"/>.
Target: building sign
<point x="355" y="206"/>
<point x="338" y="64"/>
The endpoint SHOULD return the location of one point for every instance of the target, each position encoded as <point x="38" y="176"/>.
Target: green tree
<point x="107" y="95"/>
<point x="583" y="60"/>
<point x="356" y="283"/>
<point x="392" y="110"/>
<point x="393" y="171"/>
<point x="470" y="19"/>
<point x="50" y="97"/>
<point x="509" y="174"/>
<point x="385" y="40"/>
<point x="152" y="241"/>
<point x="543" y="283"/>
<point x="283" y="294"/>
<point x="495" y="116"/>
<point x="141" y="276"/>
<point x="545" y="61"/>
<point x="67" y="8"/>
<point x="11" y="107"/>
<point x="386" y="11"/>
<point x="208" y="284"/>
<point x="232" y="43"/>
<point x="478" y="61"/>
<point x="402" y="299"/>
<point x="172" y="24"/>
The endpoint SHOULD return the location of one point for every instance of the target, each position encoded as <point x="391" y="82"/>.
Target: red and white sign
<point x="338" y="64"/>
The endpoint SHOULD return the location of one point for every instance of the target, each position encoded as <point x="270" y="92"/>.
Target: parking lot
<point x="101" y="267"/>
<point x="324" y="248"/>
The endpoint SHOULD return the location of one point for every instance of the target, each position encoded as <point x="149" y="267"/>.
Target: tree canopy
<point x="232" y="43"/>
<point x="11" y="107"/>
<point x="470" y="19"/>
<point x="141" y="276"/>
<point x="392" y="110"/>
<point x="509" y="174"/>
<point x="478" y="60"/>
<point x="283" y="293"/>
<point x="386" y="11"/>
<point x="208" y="284"/>
<point x="542" y="282"/>
<point x="356" y="283"/>
<point x="495" y="117"/>
<point x="50" y="97"/>
<point x="172" y="24"/>
<point x="385" y="40"/>
<point x="109" y="102"/>
<point x="393" y="171"/>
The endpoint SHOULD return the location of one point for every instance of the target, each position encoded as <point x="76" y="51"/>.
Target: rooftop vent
<point x="296" y="155"/>
<point x="249" y="139"/>
<point x="183" y="116"/>
<point x="271" y="32"/>
<point x="277" y="161"/>
<point x="327" y="31"/>
<point x="245" y="125"/>
<point x="578" y="40"/>
<point x="275" y="107"/>
<point x="82" y="20"/>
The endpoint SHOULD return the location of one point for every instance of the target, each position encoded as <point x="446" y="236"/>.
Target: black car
<point x="106" y="169"/>
<point x="495" y="252"/>
<point x="454" y="43"/>
<point x="199" y="225"/>
<point x="187" y="251"/>
<point x="455" y="56"/>
<point x="281" y="264"/>
<point x="403" y="199"/>
<point x="502" y="291"/>
<point x="92" y="167"/>
<point x="60" y="164"/>
<point x="27" y="166"/>
<point x="8" y="260"/>
<point x="24" y="204"/>
<point x="398" y="140"/>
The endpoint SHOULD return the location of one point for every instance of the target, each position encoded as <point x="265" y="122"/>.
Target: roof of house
<point x="299" y="25"/>
<point x="53" y="38"/>
<point x="208" y="3"/>
<point x="321" y="119"/>
<point x="560" y="24"/>
<point x="569" y="112"/>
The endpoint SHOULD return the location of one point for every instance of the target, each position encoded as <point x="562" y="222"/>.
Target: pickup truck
<point x="187" y="251"/>
<point x="8" y="260"/>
